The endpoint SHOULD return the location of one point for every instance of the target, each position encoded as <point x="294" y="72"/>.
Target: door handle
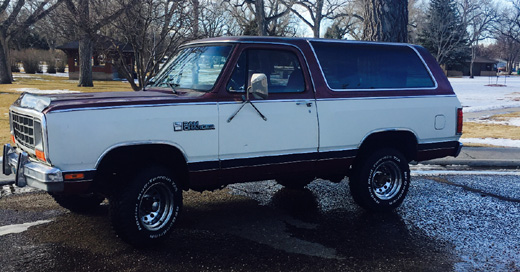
<point x="308" y="104"/>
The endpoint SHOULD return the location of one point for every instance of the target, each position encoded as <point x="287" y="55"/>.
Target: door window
<point x="282" y="68"/>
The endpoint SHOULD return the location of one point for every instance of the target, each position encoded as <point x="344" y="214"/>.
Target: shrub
<point x="15" y="68"/>
<point x="51" y="66"/>
<point x="31" y="60"/>
<point x="60" y="66"/>
<point x="14" y="61"/>
<point x="30" y="65"/>
<point x="34" y="60"/>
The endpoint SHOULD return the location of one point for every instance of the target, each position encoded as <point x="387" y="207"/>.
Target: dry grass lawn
<point x="46" y="82"/>
<point x="497" y="131"/>
<point x="478" y="130"/>
<point x="8" y="93"/>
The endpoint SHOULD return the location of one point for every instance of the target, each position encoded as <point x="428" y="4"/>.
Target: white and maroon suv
<point x="239" y="109"/>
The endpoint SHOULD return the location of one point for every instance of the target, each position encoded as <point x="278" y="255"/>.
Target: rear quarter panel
<point x="345" y="123"/>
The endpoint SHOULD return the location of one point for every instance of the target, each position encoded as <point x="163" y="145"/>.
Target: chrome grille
<point x="23" y="129"/>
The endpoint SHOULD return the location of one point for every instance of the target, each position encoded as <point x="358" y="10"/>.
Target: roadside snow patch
<point x="492" y="141"/>
<point x="37" y="91"/>
<point x="4" y="230"/>
<point x="476" y="96"/>
<point x="507" y="122"/>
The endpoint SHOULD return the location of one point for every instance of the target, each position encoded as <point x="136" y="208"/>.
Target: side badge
<point x="177" y="126"/>
<point x="191" y="125"/>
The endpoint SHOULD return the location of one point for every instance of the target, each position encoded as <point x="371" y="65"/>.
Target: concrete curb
<point x="477" y="163"/>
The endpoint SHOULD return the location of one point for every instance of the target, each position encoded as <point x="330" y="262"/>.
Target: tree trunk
<point x="85" y="46"/>
<point x="260" y="18"/>
<point x="386" y="20"/>
<point x="316" y="31"/>
<point x="5" y="68"/>
<point x="85" y="62"/>
<point x="318" y="17"/>
<point x="196" y="14"/>
<point x="473" y="56"/>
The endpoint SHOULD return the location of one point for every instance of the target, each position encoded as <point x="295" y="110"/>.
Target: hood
<point x="48" y="103"/>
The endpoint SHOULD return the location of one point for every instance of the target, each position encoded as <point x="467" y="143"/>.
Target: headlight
<point x="38" y="136"/>
<point x="38" y="141"/>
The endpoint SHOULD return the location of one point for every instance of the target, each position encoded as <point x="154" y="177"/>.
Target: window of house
<point x="282" y="68"/>
<point x="371" y="66"/>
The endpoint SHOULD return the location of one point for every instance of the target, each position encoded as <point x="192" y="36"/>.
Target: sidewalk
<point x="483" y="157"/>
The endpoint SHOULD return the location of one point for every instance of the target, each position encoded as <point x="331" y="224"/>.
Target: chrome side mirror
<point x="259" y="86"/>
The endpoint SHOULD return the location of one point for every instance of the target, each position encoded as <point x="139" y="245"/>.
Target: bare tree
<point x="88" y="24"/>
<point x="505" y="49"/>
<point x="261" y="14"/>
<point x="507" y="36"/>
<point x="478" y="16"/>
<point x="154" y="28"/>
<point x="350" y="25"/>
<point x="416" y="17"/>
<point x="317" y="11"/>
<point x="508" y="49"/>
<point x="511" y="19"/>
<point x="12" y="22"/>
<point x="508" y="30"/>
<point x="214" y="20"/>
<point x="386" y="20"/>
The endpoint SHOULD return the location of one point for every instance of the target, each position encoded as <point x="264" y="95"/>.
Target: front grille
<point x="23" y="129"/>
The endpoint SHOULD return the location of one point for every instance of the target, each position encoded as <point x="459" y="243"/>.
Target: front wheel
<point x="145" y="210"/>
<point x="380" y="182"/>
<point x="79" y="203"/>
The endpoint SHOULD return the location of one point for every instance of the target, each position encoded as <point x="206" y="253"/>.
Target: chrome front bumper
<point x="31" y="173"/>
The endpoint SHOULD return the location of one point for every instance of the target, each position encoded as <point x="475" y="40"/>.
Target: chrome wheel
<point x="156" y="207"/>
<point x="386" y="180"/>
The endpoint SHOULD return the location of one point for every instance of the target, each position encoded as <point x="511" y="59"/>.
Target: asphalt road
<point x="447" y="223"/>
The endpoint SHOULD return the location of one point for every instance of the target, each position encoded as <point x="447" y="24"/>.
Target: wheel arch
<point x="405" y="141"/>
<point x="124" y="159"/>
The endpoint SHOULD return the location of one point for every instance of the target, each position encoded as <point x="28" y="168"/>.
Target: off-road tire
<point x="79" y="203"/>
<point x="144" y="211"/>
<point x="380" y="181"/>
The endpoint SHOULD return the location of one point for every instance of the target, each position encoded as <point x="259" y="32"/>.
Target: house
<point x="102" y="61"/>
<point x="481" y="67"/>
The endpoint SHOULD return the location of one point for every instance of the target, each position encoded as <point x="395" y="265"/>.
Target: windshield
<point x="194" y="68"/>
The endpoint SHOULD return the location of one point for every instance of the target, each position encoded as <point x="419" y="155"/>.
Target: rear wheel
<point x="381" y="180"/>
<point x="294" y="183"/>
<point x="145" y="210"/>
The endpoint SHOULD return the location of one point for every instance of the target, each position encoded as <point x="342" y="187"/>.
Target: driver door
<point x="285" y="143"/>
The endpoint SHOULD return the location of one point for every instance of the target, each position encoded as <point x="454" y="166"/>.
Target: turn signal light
<point x="74" y="176"/>
<point x="12" y="139"/>
<point x="40" y="155"/>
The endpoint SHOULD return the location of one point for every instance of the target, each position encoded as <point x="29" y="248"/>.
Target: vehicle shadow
<point x="224" y="231"/>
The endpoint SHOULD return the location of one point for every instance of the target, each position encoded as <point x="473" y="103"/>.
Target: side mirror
<point x="259" y="86"/>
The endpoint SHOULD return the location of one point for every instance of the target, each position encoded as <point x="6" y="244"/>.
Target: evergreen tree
<point x="444" y="34"/>
<point x="334" y="32"/>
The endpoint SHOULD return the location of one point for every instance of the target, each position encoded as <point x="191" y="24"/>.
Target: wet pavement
<point x="457" y="222"/>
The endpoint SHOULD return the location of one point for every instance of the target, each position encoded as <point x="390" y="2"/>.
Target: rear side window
<point x="371" y="66"/>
